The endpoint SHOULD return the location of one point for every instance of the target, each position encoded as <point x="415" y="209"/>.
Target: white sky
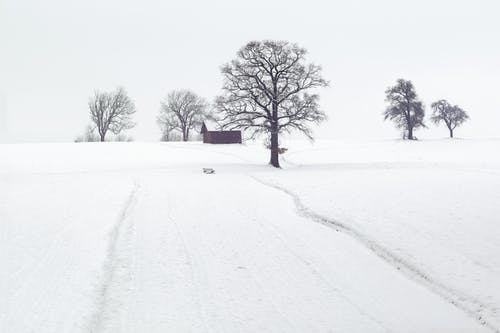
<point x="55" y="53"/>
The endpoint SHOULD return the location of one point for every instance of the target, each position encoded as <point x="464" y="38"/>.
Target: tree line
<point x="408" y="111"/>
<point x="268" y="89"/>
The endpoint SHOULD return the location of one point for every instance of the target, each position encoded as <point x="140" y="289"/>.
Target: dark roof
<point x="222" y="137"/>
<point x="203" y="128"/>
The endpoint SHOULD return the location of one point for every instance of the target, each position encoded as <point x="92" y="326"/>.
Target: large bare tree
<point x="265" y="91"/>
<point x="405" y="108"/>
<point x="181" y="110"/>
<point x="452" y="115"/>
<point x="111" y="111"/>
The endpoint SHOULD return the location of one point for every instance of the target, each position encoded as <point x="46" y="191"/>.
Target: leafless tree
<point x="181" y="110"/>
<point x="88" y="136"/>
<point x="168" y="134"/>
<point x="405" y="108"/>
<point x="167" y="127"/>
<point x="265" y="91"/>
<point x="111" y="112"/>
<point x="452" y="115"/>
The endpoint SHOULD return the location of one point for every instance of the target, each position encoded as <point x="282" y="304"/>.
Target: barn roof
<point x="203" y="128"/>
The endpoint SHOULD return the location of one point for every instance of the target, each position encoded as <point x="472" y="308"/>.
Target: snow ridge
<point x="468" y="304"/>
<point x="116" y="268"/>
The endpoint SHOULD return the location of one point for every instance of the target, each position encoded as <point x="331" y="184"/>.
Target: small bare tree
<point x="167" y="127"/>
<point x="405" y="109"/>
<point x="88" y="136"/>
<point x="266" y="92"/>
<point x="181" y="111"/>
<point x="452" y="115"/>
<point x="111" y="112"/>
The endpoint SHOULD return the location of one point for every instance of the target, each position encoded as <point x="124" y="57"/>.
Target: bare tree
<point x="181" y="110"/>
<point x="265" y="91"/>
<point x="168" y="134"/>
<point x="166" y="124"/>
<point x="405" y="108"/>
<point x="88" y="136"/>
<point x="123" y="138"/>
<point x="452" y="115"/>
<point x="111" y="112"/>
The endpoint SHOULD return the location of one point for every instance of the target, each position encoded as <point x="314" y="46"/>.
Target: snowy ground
<point x="133" y="237"/>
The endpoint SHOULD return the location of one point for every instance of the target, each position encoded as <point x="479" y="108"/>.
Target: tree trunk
<point x="410" y="133"/>
<point x="102" y="137"/>
<point x="275" y="162"/>
<point x="184" y="135"/>
<point x="451" y="132"/>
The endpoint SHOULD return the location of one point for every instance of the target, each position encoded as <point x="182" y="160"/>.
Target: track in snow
<point x="470" y="305"/>
<point x="254" y="266"/>
<point x="116" y="269"/>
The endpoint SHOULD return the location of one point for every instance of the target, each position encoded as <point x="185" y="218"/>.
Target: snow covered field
<point x="133" y="237"/>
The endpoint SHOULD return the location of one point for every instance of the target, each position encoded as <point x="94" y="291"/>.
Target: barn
<point x="220" y="137"/>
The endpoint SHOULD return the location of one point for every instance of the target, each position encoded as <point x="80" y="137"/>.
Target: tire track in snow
<point x="468" y="304"/>
<point x="191" y="259"/>
<point x="278" y="236"/>
<point x="116" y="268"/>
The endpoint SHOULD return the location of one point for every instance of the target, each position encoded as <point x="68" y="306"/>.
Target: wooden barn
<point x="220" y="137"/>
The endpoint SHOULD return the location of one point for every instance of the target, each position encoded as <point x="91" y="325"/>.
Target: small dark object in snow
<point x="208" y="170"/>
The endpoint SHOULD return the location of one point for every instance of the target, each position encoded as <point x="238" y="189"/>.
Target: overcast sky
<point x="55" y="53"/>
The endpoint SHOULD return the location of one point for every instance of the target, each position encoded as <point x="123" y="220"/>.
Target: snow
<point x="350" y="236"/>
